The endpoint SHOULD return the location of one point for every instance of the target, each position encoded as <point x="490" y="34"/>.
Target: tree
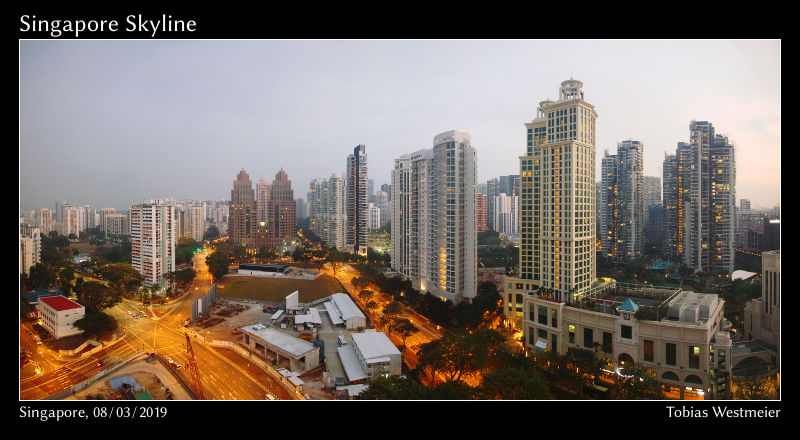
<point x="394" y="388"/>
<point x="460" y="352"/>
<point x="66" y="275"/>
<point x="405" y="328"/>
<point x="41" y="277"/>
<point x="120" y="274"/>
<point x="453" y="390"/>
<point x="217" y="265"/>
<point x="431" y="358"/>
<point x="268" y="253"/>
<point x="96" y="323"/>
<point x="642" y="384"/>
<point x="97" y="296"/>
<point x="589" y="366"/>
<point x="365" y="294"/>
<point x="360" y="283"/>
<point x="514" y="384"/>
<point x="753" y="386"/>
<point x="335" y="258"/>
<point x="372" y="305"/>
<point x="211" y="233"/>
<point x="24" y="311"/>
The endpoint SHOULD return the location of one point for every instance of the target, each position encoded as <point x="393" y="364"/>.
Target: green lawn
<point x="276" y="289"/>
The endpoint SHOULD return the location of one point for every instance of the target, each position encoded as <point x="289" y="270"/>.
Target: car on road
<point x="99" y="363"/>
<point x="27" y="331"/>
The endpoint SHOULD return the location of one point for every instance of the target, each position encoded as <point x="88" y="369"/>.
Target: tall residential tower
<point x="434" y="233"/>
<point x="557" y="202"/>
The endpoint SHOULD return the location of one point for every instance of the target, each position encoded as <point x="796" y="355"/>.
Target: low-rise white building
<point x="346" y="310"/>
<point x="57" y="315"/>
<point x="279" y="347"/>
<point x="371" y="355"/>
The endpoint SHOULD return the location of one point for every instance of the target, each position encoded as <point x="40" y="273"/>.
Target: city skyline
<point x="85" y="105"/>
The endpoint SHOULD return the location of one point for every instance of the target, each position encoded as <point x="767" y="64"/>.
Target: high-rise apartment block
<point x="434" y="234"/>
<point x="557" y="202"/>
<point x="46" y="221"/>
<point x="116" y="224"/>
<point x="382" y="202"/>
<point x="30" y="247"/>
<point x="480" y="211"/>
<point x="387" y="188"/>
<point x="153" y="240"/>
<point x="508" y="185"/>
<point x="242" y="224"/>
<point x="196" y="219"/>
<point x="356" y="202"/>
<point x="373" y="217"/>
<point x="506" y="214"/>
<point x="622" y="207"/>
<point x="326" y="203"/>
<point x="301" y="209"/>
<point x="744" y="204"/>
<point x="699" y="200"/>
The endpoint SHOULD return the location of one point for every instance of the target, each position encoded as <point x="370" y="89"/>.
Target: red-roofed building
<point x="57" y="314"/>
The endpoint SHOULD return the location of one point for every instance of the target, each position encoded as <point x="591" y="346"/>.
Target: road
<point x="224" y="377"/>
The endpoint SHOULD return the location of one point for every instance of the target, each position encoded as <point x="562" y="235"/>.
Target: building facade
<point x="622" y="209"/>
<point x="762" y="316"/>
<point x="326" y="202"/>
<point x="480" y="212"/>
<point x="356" y="202"/>
<point x="242" y="223"/>
<point x="700" y="201"/>
<point x="434" y="234"/>
<point x="506" y="214"/>
<point x="557" y="202"/>
<point x="58" y="314"/>
<point x="30" y="247"/>
<point x="689" y="349"/>
<point x="153" y="240"/>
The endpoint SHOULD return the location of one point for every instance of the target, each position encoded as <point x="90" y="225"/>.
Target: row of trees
<point x="484" y="307"/>
<point x="458" y="354"/>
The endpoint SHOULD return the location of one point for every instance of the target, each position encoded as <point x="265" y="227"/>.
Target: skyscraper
<point x="356" y="202"/>
<point x="744" y="204"/>
<point x="434" y="236"/>
<point x="701" y="181"/>
<point x="326" y="206"/>
<point x="506" y="213"/>
<point x="196" y="218"/>
<point x="301" y="209"/>
<point x="382" y="202"/>
<point x="557" y="206"/>
<point x="387" y="188"/>
<point x="281" y="210"/>
<point x="153" y="239"/>
<point x="242" y="223"/>
<point x="30" y="247"/>
<point x="622" y="210"/>
<point x="46" y="221"/>
<point x="480" y="211"/>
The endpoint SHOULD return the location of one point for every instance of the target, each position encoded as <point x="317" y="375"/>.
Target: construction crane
<point x="197" y="384"/>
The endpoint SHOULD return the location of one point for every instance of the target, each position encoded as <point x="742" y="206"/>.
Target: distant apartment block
<point x="153" y="240"/>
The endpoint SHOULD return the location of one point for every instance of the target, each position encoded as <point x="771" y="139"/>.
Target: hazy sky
<point x="111" y="123"/>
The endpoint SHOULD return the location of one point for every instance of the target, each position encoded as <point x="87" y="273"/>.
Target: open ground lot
<point x="276" y="289"/>
<point x="83" y="247"/>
